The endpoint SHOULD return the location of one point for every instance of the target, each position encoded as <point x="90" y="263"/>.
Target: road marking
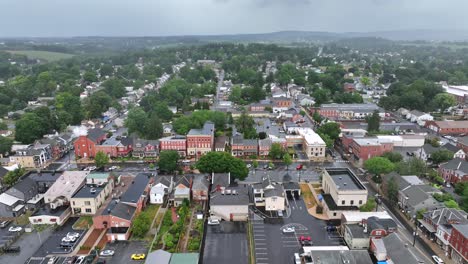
<point x="260" y="248"/>
<point x="291" y="246"/>
<point x="259" y="239"/>
<point x="295" y="242"/>
<point x="261" y="253"/>
<point x="260" y="244"/>
<point x="258" y="235"/>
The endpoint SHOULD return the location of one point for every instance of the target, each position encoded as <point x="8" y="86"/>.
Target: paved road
<point x="124" y="250"/>
<point x="29" y="244"/>
<point x="226" y="243"/>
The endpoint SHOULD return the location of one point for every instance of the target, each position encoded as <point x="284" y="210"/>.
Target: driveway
<point x="124" y="250"/>
<point x="226" y="243"/>
<point x="272" y="246"/>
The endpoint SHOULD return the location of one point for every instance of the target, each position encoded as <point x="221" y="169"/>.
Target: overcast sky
<point x="196" y="17"/>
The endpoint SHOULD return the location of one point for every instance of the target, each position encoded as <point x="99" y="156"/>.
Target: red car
<point x="304" y="238"/>
<point x="299" y="167"/>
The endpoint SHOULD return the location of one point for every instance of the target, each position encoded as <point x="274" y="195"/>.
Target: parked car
<point x="52" y="260"/>
<point x="287" y="230"/>
<point x="71" y="260"/>
<point x="80" y="260"/>
<point x="297" y="258"/>
<point x="280" y="213"/>
<point x="73" y="234"/>
<point x="213" y="221"/>
<point x="69" y="239"/>
<point x="249" y="166"/>
<point x="299" y="167"/>
<point x="15" y="228"/>
<point x="305" y="238"/>
<point x="306" y="243"/>
<point x="437" y="259"/>
<point x="12" y="249"/>
<point x="101" y="261"/>
<point x="138" y="256"/>
<point x="5" y="223"/>
<point x="107" y="252"/>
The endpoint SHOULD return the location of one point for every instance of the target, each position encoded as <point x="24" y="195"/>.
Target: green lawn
<point x="42" y="55"/>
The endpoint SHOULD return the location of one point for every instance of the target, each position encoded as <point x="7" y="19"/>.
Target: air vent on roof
<point x="93" y="190"/>
<point x="108" y="211"/>
<point x="340" y="178"/>
<point x="344" y="183"/>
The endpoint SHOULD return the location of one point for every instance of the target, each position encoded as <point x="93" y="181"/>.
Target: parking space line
<point x="259" y="239"/>
<point x="259" y="235"/>
<point x="260" y="253"/>
<point x="263" y="258"/>
<point x="260" y="248"/>
<point x="291" y="246"/>
<point x="260" y="244"/>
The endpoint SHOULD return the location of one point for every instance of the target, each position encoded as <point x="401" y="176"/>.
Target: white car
<point x="52" y="260"/>
<point x="437" y="259"/>
<point x="213" y="221"/>
<point x="69" y="239"/>
<point x="297" y="258"/>
<point x="249" y="166"/>
<point x="15" y="228"/>
<point x="80" y="260"/>
<point x="107" y="252"/>
<point x="287" y="230"/>
<point x="73" y="234"/>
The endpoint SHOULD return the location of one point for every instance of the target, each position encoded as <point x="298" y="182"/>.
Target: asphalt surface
<point x="273" y="246"/>
<point x="124" y="250"/>
<point x="29" y="243"/>
<point x="226" y="243"/>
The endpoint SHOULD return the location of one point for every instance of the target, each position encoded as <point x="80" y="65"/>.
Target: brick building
<point x="448" y="127"/>
<point x="177" y="143"/>
<point x="363" y="149"/>
<point x="459" y="243"/>
<point x="454" y="171"/>
<point x="200" y="141"/>
<point x="85" y="145"/>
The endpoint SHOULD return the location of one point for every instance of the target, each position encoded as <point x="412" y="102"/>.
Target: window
<point x="334" y="214"/>
<point x="360" y="201"/>
<point x="88" y="210"/>
<point x="87" y="203"/>
<point x="352" y="202"/>
<point x="73" y="202"/>
<point x="342" y="202"/>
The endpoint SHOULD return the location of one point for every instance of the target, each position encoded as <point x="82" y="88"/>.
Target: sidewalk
<point x="313" y="210"/>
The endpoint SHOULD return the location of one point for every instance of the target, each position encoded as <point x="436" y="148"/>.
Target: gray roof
<point x="250" y="142"/>
<point x="416" y="195"/>
<point x="159" y="256"/>
<point x="3" y="172"/>
<point x="238" y="139"/>
<point x="397" y="251"/>
<point x="136" y="188"/>
<point x="240" y="198"/>
<point x="357" y="231"/>
<point x="95" y="133"/>
<point x="265" y="142"/>
<point x="200" y="182"/>
<point x="85" y="191"/>
<point x="429" y="149"/>
<point x="185" y="180"/>
<point x="344" y="179"/>
<point x="44" y="176"/>
<point x="341" y="256"/>
<point x="377" y="223"/>
<point x="121" y="210"/>
<point x="208" y="129"/>
<point x="25" y="185"/>
<point x="291" y="186"/>
<point x="163" y="179"/>
<point x="450" y="147"/>
<point x="462" y="228"/>
<point x="456" y="164"/>
<point x="443" y="215"/>
<point x="277" y="191"/>
<point x="221" y="180"/>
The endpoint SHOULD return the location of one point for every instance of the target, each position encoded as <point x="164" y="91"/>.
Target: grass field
<point x="42" y="55"/>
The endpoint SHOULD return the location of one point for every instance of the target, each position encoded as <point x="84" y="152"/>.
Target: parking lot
<point x="124" y="250"/>
<point x="226" y="243"/>
<point x="272" y="246"/>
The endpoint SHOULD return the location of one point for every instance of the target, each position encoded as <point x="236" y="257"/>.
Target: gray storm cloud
<point x="195" y="17"/>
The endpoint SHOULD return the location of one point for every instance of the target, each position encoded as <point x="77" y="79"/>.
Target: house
<point x="200" y="141"/>
<point x="269" y="194"/>
<point x="419" y="117"/>
<point x="448" y="127"/>
<point x="168" y="129"/>
<point x="117" y="217"/>
<point x="305" y="100"/>
<point x="343" y="191"/>
<point x="237" y="145"/>
<point x="363" y="149"/>
<point x="459" y="243"/>
<point x="462" y="142"/>
<point x="145" y="148"/>
<point x="349" y="87"/>
<point x="177" y="143"/>
<point x="92" y="195"/>
<point x="391" y="249"/>
<point x="200" y="187"/>
<point x="162" y="187"/>
<point x="454" y="171"/>
<point x="458" y="152"/>
<point x="116" y="146"/>
<point x="257" y="107"/>
<point x="414" y="198"/>
<point x="229" y="204"/>
<point x="85" y="145"/>
<point x="428" y="149"/>
<point x="264" y="146"/>
<point x="181" y="192"/>
<point x="220" y="143"/>
<point x="357" y="236"/>
<point x="35" y="156"/>
<point x="437" y="224"/>
<point x="250" y="147"/>
<point x="280" y="104"/>
<point x="312" y="144"/>
<point x="64" y="188"/>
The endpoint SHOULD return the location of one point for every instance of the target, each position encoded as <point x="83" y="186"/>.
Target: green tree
<point x="328" y="141"/>
<point x="373" y="122"/>
<point x="332" y="129"/>
<point x="276" y="151"/>
<point x="317" y="117"/>
<point x="394" y="157"/>
<point x="255" y="164"/>
<point x="90" y="76"/>
<point x="13" y="176"/>
<point x="29" y="128"/>
<point x="245" y="125"/>
<point x="141" y="225"/>
<point x="114" y="87"/>
<point x="97" y="103"/>
<point x="287" y="160"/>
<point x="107" y="70"/>
<point x="153" y="128"/>
<point x="163" y="112"/>
<point x="443" y="101"/>
<point x="451" y="204"/>
<point x="442" y="155"/>
<point x="321" y="96"/>
<point x="378" y="166"/>
<point x="222" y="162"/>
<point x="168" y="160"/>
<point x="365" y="81"/>
<point x="392" y="190"/>
<point x="101" y="159"/>
<point x="413" y="166"/>
<point x="460" y="187"/>
<point x="369" y="206"/>
<point x="66" y="102"/>
<point x="5" y="145"/>
<point x="136" y="120"/>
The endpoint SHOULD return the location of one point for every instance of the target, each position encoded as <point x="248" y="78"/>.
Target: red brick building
<point x="363" y="149"/>
<point x="114" y="147"/>
<point x="454" y="171"/>
<point x="85" y="145"/>
<point x="200" y="141"/>
<point x="177" y="143"/>
<point x="459" y="244"/>
<point x="448" y="127"/>
<point x="257" y="107"/>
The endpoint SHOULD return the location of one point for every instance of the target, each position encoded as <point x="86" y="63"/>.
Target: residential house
<point x="462" y="142"/>
<point x="437" y="224"/>
<point x="116" y="146"/>
<point x="250" y="147"/>
<point x="454" y="171"/>
<point x="119" y="214"/>
<point x="348" y="111"/>
<point x="92" y="195"/>
<point x="269" y="194"/>
<point x="35" y="156"/>
<point x="264" y="146"/>
<point x="14" y="201"/>
<point x="428" y="149"/>
<point x="220" y="143"/>
<point x="349" y="87"/>
<point x="85" y="145"/>
<point x="459" y="243"/>
<point x="145" y="148"/>
<point x="343" y="191"/>
<point x="168" y="130"/>
<point x="160" y="190"/>
<point x="200" y="187"/>
<point x="229" y="204"/>
<point x="257" y="107"/>
<point x="448" y="127"/>
<point x="237" y="145"/>
<point x="414" y="198"/>
<point x="281" y="104"/>
<point x="182" y="188"/>
<point x="419" y="117"/>
<point x="458" y="152"/>
<point x="200" y="141"/>
<point x="177" y="143"/>
<point x="3" y="173"/>
<point x="305" y="100"/>
<point x="357" y="236"/>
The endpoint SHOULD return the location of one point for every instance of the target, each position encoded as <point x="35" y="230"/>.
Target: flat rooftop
<point x="344" y="179"/>
<point x="89" y="191"/>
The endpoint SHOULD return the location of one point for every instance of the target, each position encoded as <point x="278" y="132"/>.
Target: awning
<point x="18" y="207"/>
<point x="427" y="226"/>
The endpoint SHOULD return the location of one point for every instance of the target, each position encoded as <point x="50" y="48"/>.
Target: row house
<point x="437" y="224"/>
<point x="221" y="143"/>
<point x="116" y="146"/>
<point x="145" y="148"/>
<point x="462" y="143"/>
<point x="241" y="147"/>
<point x="177" y="143"/>
<point x="264" y="146"/>
<point x="348" y="111"/>
<point x="363" y="149"/>
<point x="85" y="145"/>
<point x="459" y="243"/>
<point x="200" y="141"/>
<point x="281" y="104"/>
<point x="358" y="236"/>
<point x="448" y="127"/>
<point x="454" y="171"/>
<point x="349" y="87"/>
